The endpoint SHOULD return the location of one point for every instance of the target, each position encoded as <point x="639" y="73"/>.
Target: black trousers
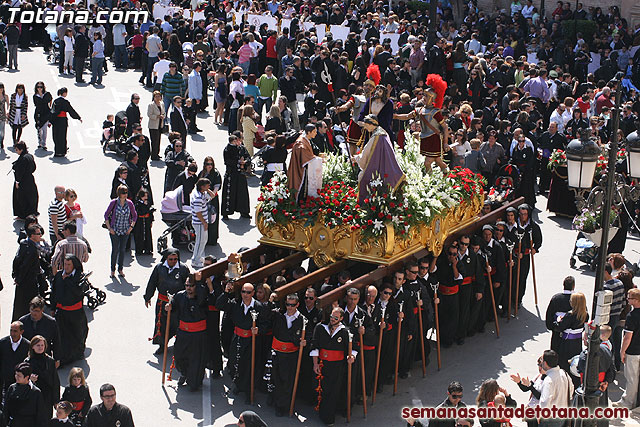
<point x="449" y="313"/>
<point x="283" y="375"/>
<point x="191" y="356"/>
<point x="156" y="135"/>
<point x="465" y="294"/>
<point x="213" y="338"/>
<point x="142" y="235"/>
<point x="332" y="384"/>
<point x="525" y="264"/>
<point x="59" y="130"/>
<point x="79" y="67"/>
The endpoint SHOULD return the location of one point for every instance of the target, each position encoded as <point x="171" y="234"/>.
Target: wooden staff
<point x="493" y="299"/>
<point x="533" y="267"/>
<point x="510" y="247"/>
<point x="295" y="381"/>
<point x="375" y="379"/>
<point x="518" y="271"/>
<point x="254" y="316"/>
<point x="350" y="349"/>
<point x="435" y="297"/>
<point x="395" y="380"/>
<point x="364" y="385"/>
<point x="424" y="362"/>
<point x="166" y="340"/>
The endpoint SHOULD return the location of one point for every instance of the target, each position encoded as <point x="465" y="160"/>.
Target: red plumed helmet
<point x="373" y="73"/>
<point x="435" y="82"/>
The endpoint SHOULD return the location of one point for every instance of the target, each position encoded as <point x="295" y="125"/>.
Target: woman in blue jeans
<point x="97" y="59"/>
<point x="120" y="217"/>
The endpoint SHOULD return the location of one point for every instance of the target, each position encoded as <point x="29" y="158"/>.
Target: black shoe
<point x="379" y="389"/>
<point x="404" y="375"/>
<point x="235" y="390"/>
<point x="225" y="217"/>
<point x="159" y="350"/>
<point x="280" y="412"/>
<point x="245" y="215"/>
<point x="182" y="380"/>
<point x="155" y="158"/>
<point x="460" y="341"/>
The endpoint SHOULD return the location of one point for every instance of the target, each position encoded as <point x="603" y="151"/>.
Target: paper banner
<point x="237" y="16"/>
<point x="340" y="32"/>
<point x="394" y="37"/>
<point x="532" y="57"/>
<point x="258" y="20"/>
<point x="321" y="30"/>
<point x="197" y="16"/>
<point x="159" y="11"/>
<point x="285" y="23"/>
<point x="308" y="25"/>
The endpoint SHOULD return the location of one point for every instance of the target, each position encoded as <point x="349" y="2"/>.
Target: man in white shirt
<point x="160" y="68"/>
<point x="121" y="57"/>
<point x="557" y="388"/>
<point x="154" y="47"/>
<point x="559" y="117"/>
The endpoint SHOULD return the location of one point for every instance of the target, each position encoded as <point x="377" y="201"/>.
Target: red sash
<point x="331" y="355"/>
<point x="467" y="280"/>
<point x="243" y="333"/>
<point x="163" y="297"/>
<point x="369" y="347"/>
<point x="449" y="290"/>
<point x="77" y="406"/>
<point x="213" y="308"/>
<point x="283" y="347"/>
<point x="74" y="307"/>
<point x="193" y="326"/>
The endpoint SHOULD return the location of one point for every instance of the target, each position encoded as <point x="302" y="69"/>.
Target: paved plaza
<point x="118" y="349"/>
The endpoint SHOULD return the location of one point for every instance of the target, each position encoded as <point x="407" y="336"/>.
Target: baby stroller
<point x="178" y="219"/>
<point x="586" y="251"/>
<point x="505" y="184"/>
<point x="114" y="139"/>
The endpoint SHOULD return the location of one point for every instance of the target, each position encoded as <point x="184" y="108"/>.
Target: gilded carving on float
<point x="326" y="244"/>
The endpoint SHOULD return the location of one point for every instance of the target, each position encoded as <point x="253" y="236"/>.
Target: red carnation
<point x="380" y="215"/>
<point x="369" y="222"/>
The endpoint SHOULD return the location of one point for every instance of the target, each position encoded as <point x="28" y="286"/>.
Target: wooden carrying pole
<point x="254" y="315"/>
<point x="424" y="362"/>
<point x="533" y="267"/>
<point x="364" y="384"/>
<point x="518" y="274"/>
<point x="166" y="340"/>
<point x="395" y="377"/>
<point x="295" y="381"/>
<point x="435" y="297"/>
<point x="375" y="378"/>
<point x="350" y="349"/>
<point x="493" y="299"/>
<point x="510" y="281"/>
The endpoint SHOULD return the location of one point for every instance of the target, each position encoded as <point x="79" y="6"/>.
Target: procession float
<point x="388" y="225"/>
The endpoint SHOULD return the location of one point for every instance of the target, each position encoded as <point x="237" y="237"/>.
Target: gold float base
<point x="325" y="245"/>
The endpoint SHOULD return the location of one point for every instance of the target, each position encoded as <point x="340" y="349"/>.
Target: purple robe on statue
<point x="378" y="159"/>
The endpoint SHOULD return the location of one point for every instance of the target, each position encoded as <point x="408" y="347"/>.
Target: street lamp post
<point x="580" y="153"/>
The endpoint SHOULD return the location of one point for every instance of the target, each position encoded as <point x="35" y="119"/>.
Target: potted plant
<point x="589" y="222"/>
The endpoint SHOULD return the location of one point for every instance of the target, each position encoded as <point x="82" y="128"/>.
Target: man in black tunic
<point x="109" y="413"/>
<point x="235" y="192"/>
<point x="448" y="272"/>
<point x="559" y="306"/>
<point x="466" y="293"/>
<point x="214" y="287"/>
<point x="420" y="297"/>
<point x="330" y="348"/>
<point x="314" y="316"/>
<point x="287" y="333"/>
<point x="358" y="321"/>
<point x="492" y="251"/>
<point x="530" y="229"/>
<point x="26" y="271"/>
<point x="242" y="320"/>
<point x="168" y="277"/>
<point x="37" y="322"/>
<point x="10" y="357"/>
<point x="409" y="324"/>
<point x="387" y="306"/>
<point x="190" y="308"/>
<point x="67" y="296"/>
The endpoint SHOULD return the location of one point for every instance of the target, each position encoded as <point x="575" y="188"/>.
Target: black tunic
<point x="525" y="261"/>
<point x="570" y="328"/>
<point x="72" y="322"/>
<point x="24" y="405"/>
<point x="46" y="327"/>
<point x="239" y="364"/>
<point x="166" y="283"/>
<point x="499" y="275"/>
<point x="190" y="349"/>
<point x="42" y="110"/>
<point x="48" y="381"/>
<point x="558" y="306"/>
<point x="26" y="272"/>
<point x="409" y="327"/>
<point x="173" y="169"/>
<point x="60" y="123"/>
<point x="119" y="415"/>
<point x="307" y="376"/>
<point x="235" y="191"/>
<point x="449" y="299"/>
<point x="525" y="161"/>
<point x="25" y="197"/>
<point x="333" y="372"/>
<point x="388" y="347"/>
<point x="284" y="363"/>
<point x="362" y="318"/>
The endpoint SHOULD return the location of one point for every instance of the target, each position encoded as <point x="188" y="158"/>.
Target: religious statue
<point x="378" y="159"/>
<point x="305" y="168"/>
